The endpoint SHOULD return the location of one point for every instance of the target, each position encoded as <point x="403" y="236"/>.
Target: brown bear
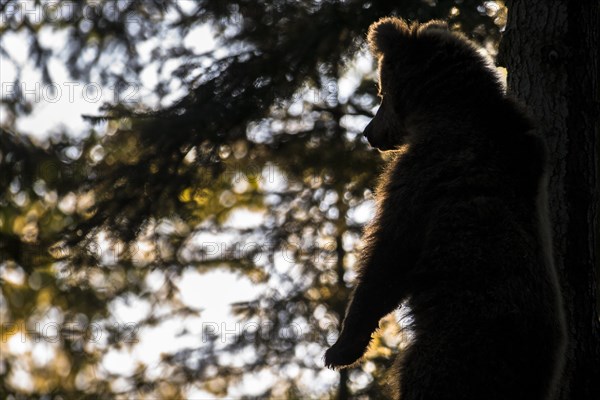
<point x="460" y="233"/>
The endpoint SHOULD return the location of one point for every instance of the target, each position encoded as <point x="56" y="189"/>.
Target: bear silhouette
<point x="460" y="234"/>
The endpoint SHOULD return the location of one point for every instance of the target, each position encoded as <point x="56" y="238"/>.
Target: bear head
<point x="429" y="79"/>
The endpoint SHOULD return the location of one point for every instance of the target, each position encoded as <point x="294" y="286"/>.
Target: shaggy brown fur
<point x="460" y="231"/>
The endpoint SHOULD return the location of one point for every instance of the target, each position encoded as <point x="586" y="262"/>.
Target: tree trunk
<point x="550" y="49"/>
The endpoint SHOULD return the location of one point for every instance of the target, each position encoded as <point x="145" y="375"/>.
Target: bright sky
<point x="61" y="104"/>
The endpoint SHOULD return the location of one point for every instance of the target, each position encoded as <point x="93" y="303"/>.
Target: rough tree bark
<point x="551" y="51"/>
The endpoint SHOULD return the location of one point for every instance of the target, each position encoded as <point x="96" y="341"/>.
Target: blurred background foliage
<point x="254" y="145"/>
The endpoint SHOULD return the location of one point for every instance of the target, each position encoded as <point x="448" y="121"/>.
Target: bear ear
<point x="433" y="25"/>
<point x="385" y="35"/>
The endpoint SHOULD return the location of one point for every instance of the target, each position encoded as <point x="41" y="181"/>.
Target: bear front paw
<point x="345" y="353"/>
